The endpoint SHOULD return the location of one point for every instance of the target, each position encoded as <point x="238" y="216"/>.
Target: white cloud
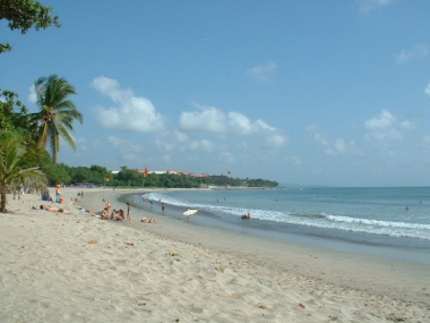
<point x="241" y="145"/>
<point x="367" y="6"/>
<point x="32" y="97"/>
<point x="408" y="125"/>
<point x="212" y="120"/>
<point x="227" y="157"/>
<point x="180" y="136"/>
<point x="321" y="139"/>
<point x="382" y="122"/>
<point x="418" y="51"/>
<point x="260" y="124"/>
<point x="131" y="113"/>
<point x="82" y="143"/>
<point x="240" y="123"/>
<point x="384" y="127"/>
<point x="208" y="119"/>
<point x="178" y="141"/>
<point x="262" y="73"/>
<point x="275" y="141"/>
<point x="165" y="144"/>
<point x="427" y="90"/>
<point x="202" y="145"/>
<point x="340" y="145"/>
<point x="332" y="146"/>
<point x="126" y="150"/>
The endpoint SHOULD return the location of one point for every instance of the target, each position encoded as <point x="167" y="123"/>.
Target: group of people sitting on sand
<point x="119" y="215"/>
<point x="105" y="214"/>
<point x="116" y="215"/>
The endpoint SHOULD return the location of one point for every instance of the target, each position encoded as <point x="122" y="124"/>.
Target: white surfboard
<point x="190" y="212"/>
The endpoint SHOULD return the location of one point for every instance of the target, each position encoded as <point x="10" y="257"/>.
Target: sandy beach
<point x="57" y="267"/>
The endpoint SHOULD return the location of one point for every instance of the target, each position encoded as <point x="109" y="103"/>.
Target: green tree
<point x="152" y="180"/>
<point x="25" y="14"/>
<point x="57" y="174"/>
<point x="14" y="115"/>
<point x="99" y="174"/>
<point x="56" y="115"/>
<point x="80" y="174"/>
<point x="18" y="165"/>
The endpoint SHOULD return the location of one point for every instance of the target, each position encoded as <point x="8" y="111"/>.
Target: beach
<point x="58" y="267"/>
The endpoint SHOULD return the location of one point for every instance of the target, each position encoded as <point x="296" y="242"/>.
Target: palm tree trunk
<point x="3" y="200"/>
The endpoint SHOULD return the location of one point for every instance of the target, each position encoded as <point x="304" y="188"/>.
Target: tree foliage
<point x="126" y="177"/>
<point x="25" y="14"/>
<point x="18" y="165"/>
<point x="14" y="115"/>
<point x="56" y="113"/>
<point x="64" y="174"/>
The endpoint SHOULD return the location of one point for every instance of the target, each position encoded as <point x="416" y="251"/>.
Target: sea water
<point x="391" y="222"/>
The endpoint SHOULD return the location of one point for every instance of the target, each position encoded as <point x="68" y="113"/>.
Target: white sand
<point x="77" y="268"/>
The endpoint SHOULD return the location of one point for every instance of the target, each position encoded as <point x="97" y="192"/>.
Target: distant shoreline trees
<point x="99" y="175"/>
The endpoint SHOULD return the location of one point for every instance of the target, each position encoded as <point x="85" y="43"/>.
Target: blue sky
<point x="308" y="92"/>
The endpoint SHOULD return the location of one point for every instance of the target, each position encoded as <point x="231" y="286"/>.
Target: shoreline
<point x="404" y="249"/>
<point x="175" y="270"/>
<point x="264" y="251"/>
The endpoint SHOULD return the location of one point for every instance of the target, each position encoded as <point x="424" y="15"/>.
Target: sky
<point x="303" y="92"/>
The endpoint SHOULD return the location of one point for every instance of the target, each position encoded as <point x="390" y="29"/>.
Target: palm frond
<point x="56" y="113"/>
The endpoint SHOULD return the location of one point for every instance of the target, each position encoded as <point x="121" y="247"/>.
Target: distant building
<point x="171" y="172"/>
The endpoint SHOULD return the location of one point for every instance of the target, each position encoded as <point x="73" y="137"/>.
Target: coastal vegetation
<point x="19" y="166"/>
<point x="22" y="136"/>
<point x="133" y="178"/>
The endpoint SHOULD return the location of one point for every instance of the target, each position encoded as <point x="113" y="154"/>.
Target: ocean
<point x="388" y="222"/>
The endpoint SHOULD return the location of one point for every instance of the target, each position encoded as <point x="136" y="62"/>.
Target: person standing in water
<point x="128" y="212"/>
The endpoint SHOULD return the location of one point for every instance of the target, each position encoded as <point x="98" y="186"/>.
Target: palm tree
<point x="17" y="165"/>
<point x="56" y="114"/>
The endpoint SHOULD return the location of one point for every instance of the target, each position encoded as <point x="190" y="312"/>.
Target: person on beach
<point x="105" y="214"/>
<point x="47" y="197"/>
<point x="163" y="206"/>
<point x="54" y="209"/>
<point x="108" y="206"/>
<point x="151" y="220"/>
<point x="57" y="193"/>
<point x="120" y="217"/>
<point x="128" y="212"/>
